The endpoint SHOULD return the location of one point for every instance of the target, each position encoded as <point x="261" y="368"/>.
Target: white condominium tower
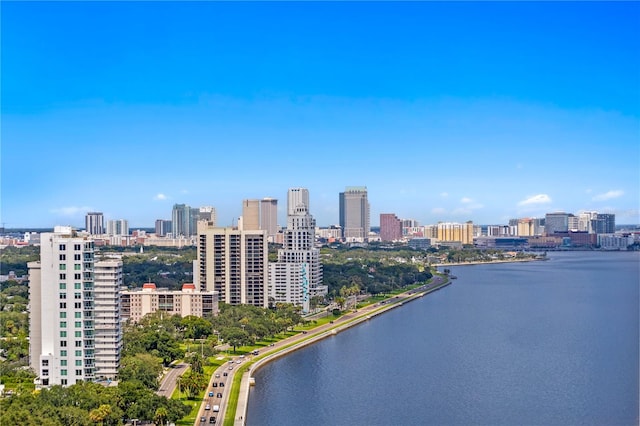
<point x="233" y="262"/>
<point x="297" y="275"/>
<point x="354" y="214"/>
<point x="74" y="324"/>
<point x="94" y="223"/>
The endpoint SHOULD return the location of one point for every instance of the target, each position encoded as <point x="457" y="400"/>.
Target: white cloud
<point x="71" y="211"/>
<point x="466" y="200"/>
<point x="160" y="197"/>
<point x="461" y="211"/>
<point x="444" y="194"/>
<point x="536" y="199"/>
<point x="608" y="195"/>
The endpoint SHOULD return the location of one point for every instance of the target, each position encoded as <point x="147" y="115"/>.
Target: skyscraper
<point x="604" y="223"/>
<point x="354" y="214"/>
<point x="296" y="197"/>
<point x="94" y="223"/>
<point x="269" y="216"/>
<point x="390" y="227"/>
<point x="181" y="220"/>
<point x="297" y="275"/>
<point x="556" y="222"/>
<point x="117" y="227"/>
<point x="163" y="227"/>
<point x="251" y="214"/>
<point x="74" y="327"/>
<point x="232" y="262"/>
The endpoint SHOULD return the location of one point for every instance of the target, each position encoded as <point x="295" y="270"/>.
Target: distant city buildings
<point x="390" y="227"/>
<point x="354" y="214"/>
<point x="269" y="217"/>
<point x="94" y="223"/>
<point x="163" y="227"/>
<point x="117" y="227"/>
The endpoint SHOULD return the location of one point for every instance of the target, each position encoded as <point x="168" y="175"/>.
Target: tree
<point x="98" y="415"/>
<point x="236" y="336"/>
<point x="144" y="368"/>
<point x="161" y="415"/>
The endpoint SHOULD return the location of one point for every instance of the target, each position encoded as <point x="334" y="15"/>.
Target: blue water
<point x="538" y="343"/>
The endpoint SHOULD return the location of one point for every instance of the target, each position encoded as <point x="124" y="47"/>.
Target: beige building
<point x="462" y="232"/>
<point x="233" y="262"/>
<point x="135" y="304"/>
<point x="250" y="214"/>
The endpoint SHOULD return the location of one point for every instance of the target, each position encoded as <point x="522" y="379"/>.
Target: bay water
<point x="552" y="342"/>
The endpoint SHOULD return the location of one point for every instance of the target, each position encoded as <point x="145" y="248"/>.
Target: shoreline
<point x="487" y="262"/>
<point x="324" y="331"/>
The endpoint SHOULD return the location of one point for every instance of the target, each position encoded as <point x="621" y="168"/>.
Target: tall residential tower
<point x="354" y="214"/>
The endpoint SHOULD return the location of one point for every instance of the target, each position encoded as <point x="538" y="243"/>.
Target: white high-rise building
<point x="297" y="275"/>
<point x="94" y="223"/>
<point x="296" y="197"/>
<point x="117" y="227"/>
<point x="69" y="295"/>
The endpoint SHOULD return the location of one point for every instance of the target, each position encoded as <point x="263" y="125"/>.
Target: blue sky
<point x="446" y="111"/>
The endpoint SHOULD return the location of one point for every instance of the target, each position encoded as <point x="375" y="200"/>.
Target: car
<point x="217" y="375"/>
<point x="212" y="420"/>
<point x="221" y="384"/>
<point x="241" y="356"/>
<point x="231" y="367"/>
<point x="225" y="374"/>
<point x="207" y="407"/>
<point x="219" y="395"/>
<point x="215" y="385"/>
<point x="273" y="344"/>
<point x="238" y="362"/>
<point x="210" y="393"/>
<point x="203" y="419"/>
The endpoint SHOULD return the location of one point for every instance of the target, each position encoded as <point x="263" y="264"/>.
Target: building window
<point x="63" y="314"/>
<point x="63" y="372"/>
<point x="78" y="372"/>
<point x="62" y="247"/>
<point x="63" y="334"/>
<point x="63" y="353"/>
<point x="45" y="372"/>
<point x="45" y="362"/>
<point x="63" y="324"/>
<point x="77" y="267"/>
<point x="78" y="324"/>
<point x="76" y="247"/>
<point x="62" y="266"/>
<point x="77" y="296"/>
<point x="77" y="305"/>
<point x="77" y="276"/>
<point x="63" y="276"/>
<point x="77" y="286"/>
<point x="63" y="382"/>
<point x="78" y="363"/>
<point x="78" y="314"/>
<point x="78" y="353"/>
<point x="63" y="343"/>
<point x="78" y="334"/>
<point x="63" y="257"/>
<point x="63" y="286"/>
<point x="63" y="305"/>
<point x="63" y="362"/>
<point x="76" y="257"/>
<point x="78" y="343"/>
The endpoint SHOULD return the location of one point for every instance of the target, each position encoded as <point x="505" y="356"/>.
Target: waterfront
<point x="529" y="343"/>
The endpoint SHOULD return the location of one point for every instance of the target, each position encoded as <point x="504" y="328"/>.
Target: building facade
<point x="557" y="222"/>
<point x="297" y="275"/>
<point x="94" y="223"/>
<point x="269" y="217"/>
<point x="117" y="227"/>
<point x="63" y="315"/>
<point x="251" y="215"/>
<point x="296" y="197"/>
<point x="163" y="227"/>
<point x="390" y="227"/>
<point x="234" y="263"/>
<point x="181" y="220"/>
<point x="456" y="232"/>
<point x="149" y="299"/>
<point x="354" y="214"/>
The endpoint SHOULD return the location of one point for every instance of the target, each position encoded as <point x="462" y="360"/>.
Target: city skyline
<point x="444" y="111"/>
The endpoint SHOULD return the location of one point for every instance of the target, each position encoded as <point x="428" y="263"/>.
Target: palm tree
<point x="161" y="415"/>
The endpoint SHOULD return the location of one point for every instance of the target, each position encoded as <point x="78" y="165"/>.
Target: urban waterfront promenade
<point x="301" y="340"/>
